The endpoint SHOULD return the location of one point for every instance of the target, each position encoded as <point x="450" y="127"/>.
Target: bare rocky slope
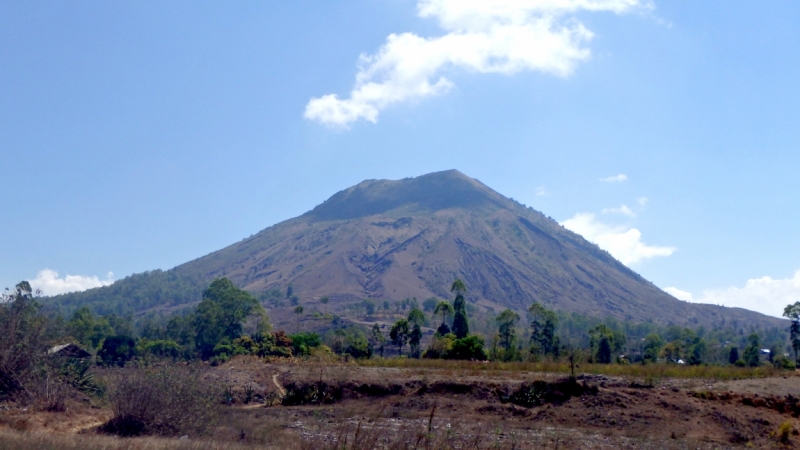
<point x="386" y="239"/>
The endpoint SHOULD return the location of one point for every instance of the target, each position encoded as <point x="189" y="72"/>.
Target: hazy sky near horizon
<point x="141" y="135"/>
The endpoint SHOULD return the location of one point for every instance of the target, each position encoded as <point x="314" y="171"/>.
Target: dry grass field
<point x="396" y="404"/>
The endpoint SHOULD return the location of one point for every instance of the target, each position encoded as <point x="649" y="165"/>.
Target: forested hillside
<point x="156" y="289"/>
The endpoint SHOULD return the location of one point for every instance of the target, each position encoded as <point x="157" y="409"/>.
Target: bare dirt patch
<point x="309" y="405"/>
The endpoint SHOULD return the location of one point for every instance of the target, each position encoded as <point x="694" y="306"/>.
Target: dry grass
<point x="170" y="400"/>
<point x="13" y="440"/>
<point x="648" y="371"/>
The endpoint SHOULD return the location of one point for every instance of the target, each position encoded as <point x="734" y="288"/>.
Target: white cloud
<point x="642" y="201"/>
<point x="679" y="294"/>
<point x="624" y="244"/>
<point x="765" y="295"/>
<point x="541" y="192"/>
<point x="50" y="284"/>
<point x="615" y="179"/>
<point x="622" y="209"/>
<point x="499" y="36"/>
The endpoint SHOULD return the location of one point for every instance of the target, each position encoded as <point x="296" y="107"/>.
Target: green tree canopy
<point x="399" y="334"/>
<point x="458" y="287"/>
<point x="416" y="317"/>
<point x="752" y="353"/>
<point x="460" y="322"/>
<point x="733" y="355"/>
<point x="652" y="347"/>
<point x="605" y="342"/>
<point x="221" y="313"/>
<point x="88" y="329"/>
<point x="470" y="347"/>
<point x="414" y="339"/>
<point x="543" y="339"/>
<point x="507" y="334"/>
<point x="377" y="338"/>
<point x="792" y="312"/>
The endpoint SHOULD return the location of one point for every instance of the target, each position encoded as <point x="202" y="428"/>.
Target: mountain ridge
<point x="392" y="239"/>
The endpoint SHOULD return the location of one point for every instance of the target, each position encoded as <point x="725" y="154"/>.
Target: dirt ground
<point x="373" y="407"/>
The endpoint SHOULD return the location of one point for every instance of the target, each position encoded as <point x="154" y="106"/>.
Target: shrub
<point x="117" y="350"/>
<point x="540" y="392"/>
<point x="349" y="341"/>
<point x="25" y="336"/>
<point x="782" y="362"/>
<point x="273" y="344"/>
<point x="162" y="401"/>
<point x="783" y="432"/>
<point x="302" y="343"/>
<point x="159" y="348"/>
<point x="470" y="347"/>
<point x="440" y="345"/>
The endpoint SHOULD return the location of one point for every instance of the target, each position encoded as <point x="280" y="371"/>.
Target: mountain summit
<point x="425" y="194"/>
<point x="392" y="239"/>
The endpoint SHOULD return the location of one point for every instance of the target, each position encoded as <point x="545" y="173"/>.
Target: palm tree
<point x="445" y="309"/>
<point x="458" y="287"/>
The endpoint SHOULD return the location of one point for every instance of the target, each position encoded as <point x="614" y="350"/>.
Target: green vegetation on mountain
<point x="153" y="290"/>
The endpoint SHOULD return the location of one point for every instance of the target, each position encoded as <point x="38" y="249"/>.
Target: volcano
<point x="393" y="239"/>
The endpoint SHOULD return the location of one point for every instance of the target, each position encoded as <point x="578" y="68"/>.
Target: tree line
<point x="229" y="321"/>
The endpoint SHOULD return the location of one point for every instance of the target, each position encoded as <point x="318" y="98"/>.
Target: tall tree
<point x="460" y="323"/>
<point x="652" y="347"/>
<point x="416" y="317"/>
<point x="25" y="335"/>
<point x="378" y="339"/>
<point x="604" y="341"/>
<point x="221" y="313"/>
<point x="400" y="334"/>
<point x="604" y="350"/>
<point x="445" y="309"/>
<point x="733" y="356"/>
<point x="543" y="331"/>
<point x="414" y="339"/>
<point x="89" y="329"/>
<point x="506" y="325"/>
<point x="752" y="353"/>
<point x="792" y="312"/>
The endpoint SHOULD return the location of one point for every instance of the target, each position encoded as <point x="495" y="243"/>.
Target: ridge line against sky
<point x="623" y="242"/>
<point x="150" y="134"/>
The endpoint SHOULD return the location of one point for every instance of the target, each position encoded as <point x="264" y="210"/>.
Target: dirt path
<point x="85" y="426"/>
<point x="281" y="391"/>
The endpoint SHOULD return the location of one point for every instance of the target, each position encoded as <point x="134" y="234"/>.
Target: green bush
<point x="470" y="347"/>
<point x="303" y="343"/>
<point x="161" y="348"/>
<point x="117" y="350"/>
<point x="782" y="362"/>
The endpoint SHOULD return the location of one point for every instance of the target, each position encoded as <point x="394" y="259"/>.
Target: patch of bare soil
<point x="780" y="386"/>
<point x="317" y="405"/>
<point x="323" y="400"/>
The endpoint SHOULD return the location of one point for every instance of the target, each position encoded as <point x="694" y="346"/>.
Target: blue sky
<point x="136" y="136"/>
